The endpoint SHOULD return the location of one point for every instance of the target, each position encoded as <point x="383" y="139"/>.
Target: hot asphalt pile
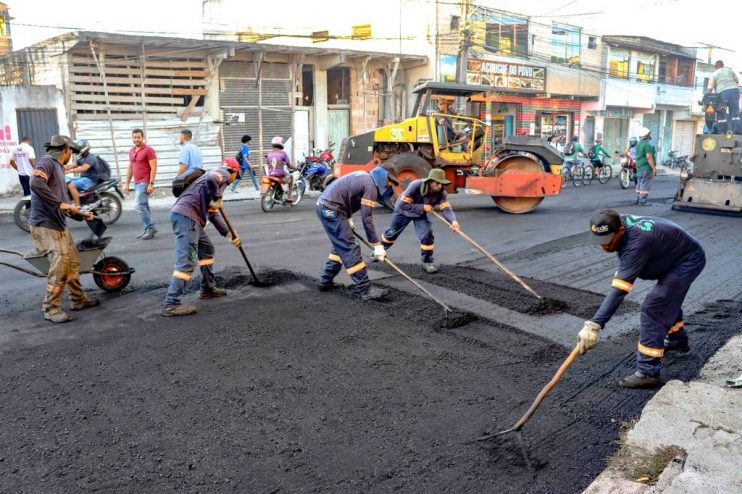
<point x="287" y="389"/>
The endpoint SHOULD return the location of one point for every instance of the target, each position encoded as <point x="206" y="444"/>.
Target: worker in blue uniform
<point x="335" y="208"/>
<point x="421" y="197"/>
<point x="648" y="248"/>
<point x="199" y="203"/>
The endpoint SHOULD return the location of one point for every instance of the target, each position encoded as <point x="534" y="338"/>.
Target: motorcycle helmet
<point x="633" y="141"/>
<point x="83" y="146"/>
<point x="277" y="141"/>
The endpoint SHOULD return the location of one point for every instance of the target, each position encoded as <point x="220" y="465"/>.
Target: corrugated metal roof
<point x="643" y="43"/>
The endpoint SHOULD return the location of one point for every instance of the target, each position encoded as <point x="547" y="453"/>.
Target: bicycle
<point x="577" y="171"/>
<point x="605" y="172"/>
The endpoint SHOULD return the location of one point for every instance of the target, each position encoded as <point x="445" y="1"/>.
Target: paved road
<point x="547" y="244"/>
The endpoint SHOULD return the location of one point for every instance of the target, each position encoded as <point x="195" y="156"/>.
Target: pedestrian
<point x="725" y="82"/>
<point x="335" y="208"/>
<point x="22" y="159"/>
<point x="49" y="209"/>
<point x="646" y="166"/>
<point x="648" y="248"/>
<point x="421" y="197"/>
<point x="143" y="168"/>
<point x="190" y="155"/>
<point x="199" y="203"/>
<point x="243" y="158"/>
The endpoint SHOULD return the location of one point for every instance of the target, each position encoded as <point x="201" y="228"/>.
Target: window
<point x="618" y="64"/>
<point x="307" y="85"/>
<point x="505" y="33"/>
<point x="338" y="86"/>
<point x="592" y="42"/>
<point x="645" y="67"/>
<point x="565" y="43"/>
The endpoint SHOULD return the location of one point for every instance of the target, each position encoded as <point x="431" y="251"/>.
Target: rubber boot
<point x="88" y="302"/>
<point x="639" y="380"/>
<point x="429" y="268"/>
<point x="679" y="346"/>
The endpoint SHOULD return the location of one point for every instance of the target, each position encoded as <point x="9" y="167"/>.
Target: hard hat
<point x="277" y="141"/>
<point x="231" y="164"/>
<point x="643" y="132"/>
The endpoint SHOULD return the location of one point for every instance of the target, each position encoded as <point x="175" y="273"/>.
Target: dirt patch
<point x="499" y="289"/>
<point x="276" y="390"/>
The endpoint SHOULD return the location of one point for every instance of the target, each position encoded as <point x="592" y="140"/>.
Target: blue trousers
<point x="192" y="248"/>
<point x="345" y="251"/>
<point x="252" y="176"/>
<point x="661" y="314"/>
<point x="730" y="97"/>
<point x="643" y="185"/>
<point x="141" y="199"/>
<point x="423" y="228"/>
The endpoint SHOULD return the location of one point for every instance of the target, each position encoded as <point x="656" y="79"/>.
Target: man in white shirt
<point x="23" y="159"/>
<point x="726" y="83"/>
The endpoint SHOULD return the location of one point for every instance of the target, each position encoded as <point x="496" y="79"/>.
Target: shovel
<point x="452" y="319"/>
<point x="256" y="281"/>
<point x="492" y="258"/>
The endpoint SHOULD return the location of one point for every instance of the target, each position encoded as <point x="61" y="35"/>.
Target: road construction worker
<point x="421" y="197"/>
<point x="198" y="203"/>
<point x="335" y="208"/>
<point x="646" y="166"/>
<point x="47" y="218"/>
<point x="648" y="248"/>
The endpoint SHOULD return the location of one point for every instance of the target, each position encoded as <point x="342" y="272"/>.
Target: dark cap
<point x="603" y="225"/>
<point x="391" y="170"/>
<point x="61" y="142"/>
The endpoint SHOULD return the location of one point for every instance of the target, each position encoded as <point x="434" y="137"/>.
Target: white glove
<point x="234" y="239"/>
<point x="216" y="204"/>
<point x="588" y="336"/>
<point x="379" y="253"/>
<point x="352" y="226"/>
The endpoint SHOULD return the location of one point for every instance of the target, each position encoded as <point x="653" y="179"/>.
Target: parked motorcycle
<point x="675" y="161"/>
<point x="314" y="171"/>
<point x="627" y="175"/>
<point x="275" y="190"/>
<point x="101" y="200"/>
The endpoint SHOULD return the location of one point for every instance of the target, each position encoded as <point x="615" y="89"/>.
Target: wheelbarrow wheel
<point x="111" y="274"/>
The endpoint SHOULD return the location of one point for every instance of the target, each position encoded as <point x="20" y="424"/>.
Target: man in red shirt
<point x="143" y="167"/>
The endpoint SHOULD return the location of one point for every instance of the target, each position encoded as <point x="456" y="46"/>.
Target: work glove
<point x="588" y="336"/>
<point x="427" y="208"/>
<point x="455" y="226"/>
<point x="216" y="204"/>
<point x="234" y="239"/>
<point x="379" y="253"/>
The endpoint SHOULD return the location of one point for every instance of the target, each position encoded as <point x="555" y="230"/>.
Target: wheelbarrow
<point x="110" y="273"/>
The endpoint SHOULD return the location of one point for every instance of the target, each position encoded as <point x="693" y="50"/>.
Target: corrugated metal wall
<point x="39" y="125"/>
<point x="238" y="98"/>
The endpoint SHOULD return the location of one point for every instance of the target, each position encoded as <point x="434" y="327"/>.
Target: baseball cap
<point x="232" y="164"/>
<point x="603" y="225"/>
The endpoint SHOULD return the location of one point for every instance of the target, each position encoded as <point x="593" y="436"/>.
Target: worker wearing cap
<point x="49" y="208"/>
<point x="646" y="166"/>
<point x="335" y="209"/>
<point x="648" y="248"/>
<point x="200" y="202"/>
<point x="421" y="197"/>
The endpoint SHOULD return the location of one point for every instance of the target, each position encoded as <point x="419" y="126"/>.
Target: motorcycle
<point x="275" y="190"/>
<point x="101" y="200"/>
<point x="675" y="161"/>
<point x="627" y="175"/>
<point x="314" y="171"/>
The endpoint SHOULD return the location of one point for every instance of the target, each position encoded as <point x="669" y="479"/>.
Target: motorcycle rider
<point x="631" y="148"/>
<point x="88" y="166"/>
<point x="276" y="161"/>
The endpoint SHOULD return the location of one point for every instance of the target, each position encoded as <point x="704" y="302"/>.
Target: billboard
<point x="506" y="75"/>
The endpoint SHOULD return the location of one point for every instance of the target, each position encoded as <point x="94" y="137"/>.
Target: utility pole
<point x="462" y="60"/>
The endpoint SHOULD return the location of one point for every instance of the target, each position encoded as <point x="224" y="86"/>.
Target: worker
<point x="646" y="166"/>
<point x="49" y="209"/>
<point x="198" y="203"/>
<point x="420" y="198"/>
<point x="335" y="209"/>
<point x="648" y="248"/>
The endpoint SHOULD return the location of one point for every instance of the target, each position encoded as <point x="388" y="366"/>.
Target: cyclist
<point x="595" y="154"/>
<point x="572" y="153"/>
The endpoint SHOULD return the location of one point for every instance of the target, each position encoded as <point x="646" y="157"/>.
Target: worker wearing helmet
<point x="335" y="208"/>
<point x="198" y="203"/>
<point x="277" y="162"/>
<point x="421" y="197"/>
<point x="648" y="248"/>
<point x="88" y="166"/>
<point x="646" y="166"/>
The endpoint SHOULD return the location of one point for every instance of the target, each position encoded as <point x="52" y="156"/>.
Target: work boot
<point x="376" y="293"/>
<point x="149" y="234"/>
<point x="88" y="302"/>
<point x="639" y="380"/>
<point x="57" y="317"/>
<point x="429" y="268"/>
<point x="213" y="293"/>
<point x="178" y="310"/>
<point x="680" y="346"/>
<point x="327" y="286"/>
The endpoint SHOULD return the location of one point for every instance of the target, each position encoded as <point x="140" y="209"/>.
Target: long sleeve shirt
<point x="649" y="250"/>
<point x="195" y="201"/>
<point x="351" y="193"/>
<point x="412" y="202"/>
<point x="48" y="191"/>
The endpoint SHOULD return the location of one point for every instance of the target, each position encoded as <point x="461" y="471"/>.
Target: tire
<point x="299" y="189"/>
<point x="588" y="173"/>
<point x="327" y="181"/>
<point x="409" y="167"/>
<point x="624" y="178"/>
<point x="109" y="209"/>
<point x="577" y="176"/>
<point x="112" y="282"/>
<point x="605" y="174"/>
<point x="267" y="201"/>
<point x="20" y="215"/>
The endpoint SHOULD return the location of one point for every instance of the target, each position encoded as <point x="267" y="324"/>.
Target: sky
<point x="683" y="22"/>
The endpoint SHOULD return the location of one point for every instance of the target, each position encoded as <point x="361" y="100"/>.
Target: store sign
<point x="504" y="75"/>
